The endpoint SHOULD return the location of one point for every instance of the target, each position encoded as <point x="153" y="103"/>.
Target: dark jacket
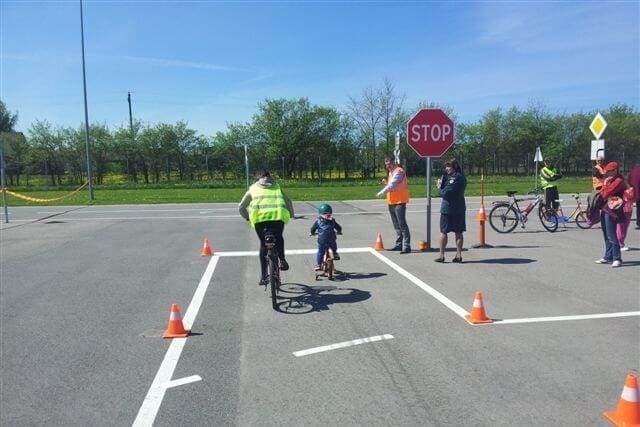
<point x="326" y="229"/>
<point x="452" y="192"/>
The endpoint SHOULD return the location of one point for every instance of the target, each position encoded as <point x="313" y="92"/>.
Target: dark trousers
<point x="399" y="219"/>
<point x="276" y="227"/>
<point x="322" y="247"/>
<point x="550" y="197"/>
<point x="611" y="243"/>
<point x="638" y="213"/>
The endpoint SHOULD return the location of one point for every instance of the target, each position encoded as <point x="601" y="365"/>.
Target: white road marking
<point x="153" y="400"/>
<point x="563" y="318"/>
<point x="342" y="345"/>
<point x="102" y="211"/>
<point x="182" y="381"/>
<point x="428" y="289"/>
<point x="293" y="252"/>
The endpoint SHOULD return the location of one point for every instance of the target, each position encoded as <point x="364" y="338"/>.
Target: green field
<point x="296" y="190"/>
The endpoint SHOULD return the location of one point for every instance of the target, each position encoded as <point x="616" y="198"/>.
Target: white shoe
<point x="624" y="248"/>
<point x="616" y="263"/>
<point x="602" y="261"/>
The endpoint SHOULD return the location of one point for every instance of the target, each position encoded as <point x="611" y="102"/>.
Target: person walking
<point x="612" y="187"/>
<point x="396" y="189"/>
<point x="269" y="209"/>
<point x="634" y="181"/>
<point x="453" y="208"/>
<point x="548" y="175"/>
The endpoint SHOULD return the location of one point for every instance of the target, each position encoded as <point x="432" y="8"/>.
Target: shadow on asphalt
<point x="296" y="298"/>
<point x="501" y="261"/>
<point x="516" y="247"/>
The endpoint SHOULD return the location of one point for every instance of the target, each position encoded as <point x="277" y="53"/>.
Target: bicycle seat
<point x="511" y="193"/>
<point x="269" y="238"/>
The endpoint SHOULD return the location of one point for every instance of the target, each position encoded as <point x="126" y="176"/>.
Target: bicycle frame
<point x="273" y="266"/>
<point x="505" y="216"/>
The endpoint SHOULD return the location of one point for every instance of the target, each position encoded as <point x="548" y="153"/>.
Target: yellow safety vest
<point x="267" y="204"/>
<point x="550" y="172"/>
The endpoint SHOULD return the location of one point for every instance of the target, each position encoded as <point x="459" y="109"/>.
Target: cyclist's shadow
<point x="296" y="298"/>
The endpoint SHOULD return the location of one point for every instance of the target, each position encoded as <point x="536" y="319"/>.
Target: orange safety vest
<point x="401" y="192"/>
<point x="597" y="182"/>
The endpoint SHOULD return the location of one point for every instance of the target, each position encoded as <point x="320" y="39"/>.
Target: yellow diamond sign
<point x="598" y="125"/>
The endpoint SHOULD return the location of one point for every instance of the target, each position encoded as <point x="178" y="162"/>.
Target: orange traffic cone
<point x="379" y="246"/>
<point x="206" y="249"/>
<point x="477" y="312"/>
<point x="628" y="411"/>
<point x="175" y="329"/>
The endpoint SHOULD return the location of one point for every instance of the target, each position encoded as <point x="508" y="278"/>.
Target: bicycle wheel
<point x="548" y="218"/>
<point x="503" y="218"/>
<point x="581" y="221"/>
<point x="274" y="281"/>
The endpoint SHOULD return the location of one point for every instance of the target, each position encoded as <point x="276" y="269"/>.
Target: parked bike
<point x="506" y="215"/>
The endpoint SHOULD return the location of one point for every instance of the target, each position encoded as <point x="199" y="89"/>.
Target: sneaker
<point x="603" y="261"/>
<point x="317" y="267"/>
<point x="616" y="263"/>
<point x="624" y="248"/>
<point x="336" y="256"/>
<point x="396" y="248"/>
<point x="284" y="265"/>
<point x="406" y="251"/>
<point x="263" y="282"/>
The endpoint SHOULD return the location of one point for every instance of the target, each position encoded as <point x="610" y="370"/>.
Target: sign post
<point x="598" y="125"/>
<point x="537" y="159"/>
<point x="430" y="133"/>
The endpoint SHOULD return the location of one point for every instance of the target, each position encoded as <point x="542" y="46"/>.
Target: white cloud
<point x="161" y="62"/>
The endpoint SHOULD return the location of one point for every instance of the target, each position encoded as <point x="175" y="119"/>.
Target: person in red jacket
<point x="634" y="181"/>
<point x="613" y="186"/>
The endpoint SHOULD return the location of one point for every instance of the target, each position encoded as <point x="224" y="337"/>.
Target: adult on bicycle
<point x="548" y="175"/>
<point x="268" y="209"/>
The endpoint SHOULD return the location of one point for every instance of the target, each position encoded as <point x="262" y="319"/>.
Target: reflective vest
<point x="597" y="182"/>
<point x="548" y="172"/>
<point x="401" y="192"/>
<point x="267" y="204"/>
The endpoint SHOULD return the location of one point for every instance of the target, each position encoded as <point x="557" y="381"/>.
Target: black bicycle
<point x="505" y="215"/>
<point x="273" y="266"/>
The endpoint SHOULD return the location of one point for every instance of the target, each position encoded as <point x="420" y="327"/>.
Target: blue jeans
<point x="399" y="219"/>
<point x="611" y="244"/>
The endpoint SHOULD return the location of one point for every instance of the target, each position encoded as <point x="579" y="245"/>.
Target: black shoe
<point x="439" y="259"/>
<point x="336" y="256"/>
<point x="284" y="265"/>
<point x="396" y="248"/>
<point x="406" y="251"/>
<point x="263" y="282"/>
<point x="457" y="259"/>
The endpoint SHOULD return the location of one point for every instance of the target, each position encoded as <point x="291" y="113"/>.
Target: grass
<point x="296" y="190"/>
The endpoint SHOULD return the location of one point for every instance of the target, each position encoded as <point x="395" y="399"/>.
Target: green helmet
<point x="325" y="208"/>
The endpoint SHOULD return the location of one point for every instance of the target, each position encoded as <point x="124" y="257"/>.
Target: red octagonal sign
<point x="430" y="132"/>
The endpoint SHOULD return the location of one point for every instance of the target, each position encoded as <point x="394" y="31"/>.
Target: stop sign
<point x="430" y="132"/>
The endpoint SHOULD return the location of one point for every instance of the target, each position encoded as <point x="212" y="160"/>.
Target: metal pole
<point x="86" y="109"/>
<point x="4" y="189"/>
<point x="428" y="224"/>
<point x="246" y="164"/>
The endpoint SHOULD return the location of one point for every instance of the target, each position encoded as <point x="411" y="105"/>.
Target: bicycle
<point x="579" y="214"/>
<point x="505" y="215"/>
<point x="327" y="267"/>
<point x="273" y="267"/>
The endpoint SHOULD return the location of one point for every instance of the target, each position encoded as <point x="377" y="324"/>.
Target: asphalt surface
<point x="85" y="295"/>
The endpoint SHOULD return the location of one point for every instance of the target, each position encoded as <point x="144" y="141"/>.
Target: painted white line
<point x="428" y="289"/>
<point x="563" y="318"/>
<point x="293" y="252"/>
<point x="103" y="211"/>
<point x="153" y="400"/>
<point x="342" y="345"/>
<point x="182" y="381"/>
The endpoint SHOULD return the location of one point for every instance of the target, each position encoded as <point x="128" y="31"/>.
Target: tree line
<point x="296" y="140"/>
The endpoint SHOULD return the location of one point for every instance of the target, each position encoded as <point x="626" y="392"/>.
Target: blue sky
<point x="211" y="62"/>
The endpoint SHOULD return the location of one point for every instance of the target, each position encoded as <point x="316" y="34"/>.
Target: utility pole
<point x="86" y="109"/>
<point x="131" y="130"/>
